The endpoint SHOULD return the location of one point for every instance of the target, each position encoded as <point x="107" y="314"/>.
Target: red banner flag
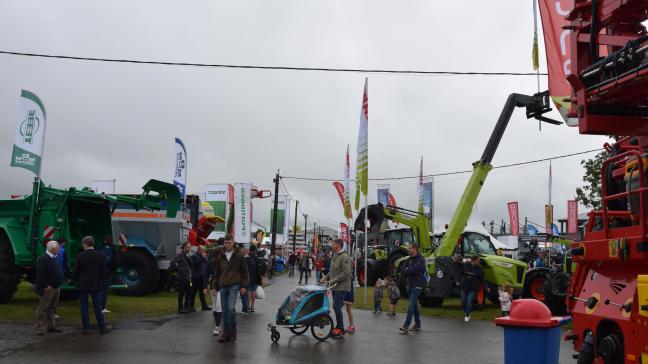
<point x="572" y="217"/>
<point x="514" y="217"/>
<point x="344" y="232"/>
<point x="340" y="190"/>
<point x="391" y="200"/>
<point x="556" y="38"/>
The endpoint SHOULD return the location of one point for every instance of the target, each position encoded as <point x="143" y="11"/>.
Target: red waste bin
<point x="531" y="334"/>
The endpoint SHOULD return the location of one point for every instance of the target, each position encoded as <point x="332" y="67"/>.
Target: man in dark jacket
<point x="232" y="276"/>
<point x="471" y="281"/>
<point x="199" y="268"/>
<point x="292" y="259"/>
<point x="181" y="264"/>
<point x="304" y="265"/>
<point x="90" y="272"/>
<point x="49" y="278"/>
<point x="414" y="271"/>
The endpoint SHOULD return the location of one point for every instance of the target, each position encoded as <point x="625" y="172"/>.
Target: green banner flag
<point x="30" y="133"/>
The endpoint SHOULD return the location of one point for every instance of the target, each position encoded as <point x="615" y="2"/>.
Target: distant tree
<point x="590" y="194"/>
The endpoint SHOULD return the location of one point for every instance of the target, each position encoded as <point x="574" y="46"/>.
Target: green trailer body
<point x="28" y="223"/>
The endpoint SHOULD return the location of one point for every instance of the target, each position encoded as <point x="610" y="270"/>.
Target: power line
<point x="449" y="173"/>
<point x="273" y="68"/>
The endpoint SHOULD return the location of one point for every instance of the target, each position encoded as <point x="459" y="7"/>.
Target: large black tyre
<point x="534" y="283"/>
<point x="139" y="272"/>
<point x="430" y="301"/>
<point x="371" y="273"/>
<point x="586" y="351"/>
<point x="9" y="273"/>
<point x="163" y="281"/>
<point x="393" y="257"/>
<point x="555" y="290"/>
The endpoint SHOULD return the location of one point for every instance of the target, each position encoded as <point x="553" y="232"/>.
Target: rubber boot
<point x="232" y="333"/>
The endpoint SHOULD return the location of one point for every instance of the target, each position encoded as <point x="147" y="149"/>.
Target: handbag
<point x="260" y="294"/>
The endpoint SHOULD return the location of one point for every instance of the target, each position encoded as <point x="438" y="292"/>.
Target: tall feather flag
<point x="534" y="52"/>
<point x="362" y="165"/>
<point x="420" y="189"/>
<point x="347" y="202"/>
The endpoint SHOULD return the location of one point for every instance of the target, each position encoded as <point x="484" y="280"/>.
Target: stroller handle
<point x="327" y="285"/>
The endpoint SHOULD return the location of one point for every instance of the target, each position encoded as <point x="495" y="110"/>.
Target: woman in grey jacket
<point x="340" y="276"/>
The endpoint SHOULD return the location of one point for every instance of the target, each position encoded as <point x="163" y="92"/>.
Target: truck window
<point x="474" y="243"/>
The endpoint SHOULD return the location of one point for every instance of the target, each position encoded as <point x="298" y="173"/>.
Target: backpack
<point x="262" y="266"/>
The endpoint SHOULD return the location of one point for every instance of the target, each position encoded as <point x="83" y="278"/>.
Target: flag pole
<point x="365" y="250"/>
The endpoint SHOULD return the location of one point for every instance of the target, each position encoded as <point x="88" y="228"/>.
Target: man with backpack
<point x="414" y="272"/>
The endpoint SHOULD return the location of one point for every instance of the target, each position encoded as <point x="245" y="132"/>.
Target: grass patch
<point x="451" y="307"/>
<point x="23" y="307"/>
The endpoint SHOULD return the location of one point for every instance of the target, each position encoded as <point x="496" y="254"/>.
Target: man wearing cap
<point x="49" y="278"/>
<point x="414" y="271"/>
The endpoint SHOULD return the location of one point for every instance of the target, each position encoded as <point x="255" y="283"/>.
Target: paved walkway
<point x="187" y="339"/>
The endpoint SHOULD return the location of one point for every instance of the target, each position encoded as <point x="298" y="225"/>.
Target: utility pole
<point x="305" y="230"/>
<point x="295" y="227"/>
<point x="274" y="221"/>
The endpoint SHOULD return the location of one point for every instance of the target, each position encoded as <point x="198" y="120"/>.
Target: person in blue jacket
<point x="414" y="272"/>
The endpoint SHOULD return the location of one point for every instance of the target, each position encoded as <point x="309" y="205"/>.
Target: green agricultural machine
<point x="26" y="224"/>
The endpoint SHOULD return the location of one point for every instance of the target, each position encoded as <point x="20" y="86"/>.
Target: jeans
<point x="183" y="294"/>
<point x="197" y="286"/>
<point x="245" y="302"/>
<point x="338" y="303"/>
<point x="377" y="305"/>
<point x="104" y="290"/>
<point x="412" y="308"/>
<point x="229" y="294"/>
<point x="96" y="304"/>
<point x="303" y="273"/>
<point x="467" y="298"/>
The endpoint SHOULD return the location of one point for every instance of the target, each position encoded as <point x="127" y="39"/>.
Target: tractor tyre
<point x="586" y="351"/>
<point x="610" y="348"/>
<point x="139" y="272"/>
<point x="9" y="273"/>
<point x="493" y="295"/>
<point x="371" y="274"/>
<point x="430" y="301"/>
<point x="393" y="257"/>
<point x="162" y="282"/>
<point x="534" y="284"/>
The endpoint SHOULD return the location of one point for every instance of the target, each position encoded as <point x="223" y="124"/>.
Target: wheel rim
<point x="322" y="328"/>
<point x="537" y="289"/>
<point x="132" y="276"/>
<point x="298" y="330"/>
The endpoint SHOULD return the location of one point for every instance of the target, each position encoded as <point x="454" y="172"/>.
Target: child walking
<point x="393" y="293"/>
<point x="505" y="297"/>
<point x="378" y="295"/>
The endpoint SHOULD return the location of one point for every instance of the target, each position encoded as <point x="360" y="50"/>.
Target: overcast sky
<point x="108" y="120"/>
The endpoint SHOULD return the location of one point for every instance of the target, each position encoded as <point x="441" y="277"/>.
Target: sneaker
<point x="337" y="334"/>
<point x="466" y="318"/>
<point x="105" y="330"/>
<point x="105" y="310"/>
<point x="403" y="329"/>
<point x="350" y="329"/>
<point x="251" y="309"/>
<point x="216" y="331"/>
<point x="415" y="328"/>
<point x="56" y="317"/>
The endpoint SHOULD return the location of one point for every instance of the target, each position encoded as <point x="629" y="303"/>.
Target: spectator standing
<point x="540" y="261"/>
<point x="378" y="295"/>
<point x="181" y="264"/>
<point x="254" y="276"/>
<point x="109" y="253"/>
<point x="471" y="281"/>
<point x="292" y="259"/>
<point x="414" y="272"/>
<point x="90" y="272"/>
<point x="198" y="272"/>
<point x="339" y="277"/>
<point x="304" y="262"/>
<point x="505" y="297"/>
<point x="393" y="293"/>
<point x="49" y="277"/>
<point x="217" y="310"/>
<point x="231" y="273"/>
<point x="62" y="259"/>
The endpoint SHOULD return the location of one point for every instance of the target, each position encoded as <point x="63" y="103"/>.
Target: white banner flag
<point x="242" y="213"/>
<point x="180" y="172"/>
<point x="30" y="133"/>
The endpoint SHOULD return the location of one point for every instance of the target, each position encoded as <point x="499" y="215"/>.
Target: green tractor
<point x="26" y="224"/>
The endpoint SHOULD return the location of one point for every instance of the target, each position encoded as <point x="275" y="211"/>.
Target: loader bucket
<point x="166" y="191"/>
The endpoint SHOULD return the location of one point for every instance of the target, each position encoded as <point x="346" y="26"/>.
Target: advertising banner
<point x="218" y="196"/>
<point x="282" y="202"/>
<point x="362" y="164"/>
<point x="557" y="43"/>
<point x="548" y="218"/>
<point x="383" y="194"/>
<point x="514" y="217"/>
<point x="347" y="189"/>
<point x="242" y="213"/>
<point x="180" y="172"/>
<point x="572" y="217"/>
<point x="344" y="232"/>
<point x="391" y="200"/>
<point x="30" y="133"/>
<point x="428" y="197"/>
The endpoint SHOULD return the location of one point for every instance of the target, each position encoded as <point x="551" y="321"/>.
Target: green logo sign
<point x="29" y="127"/>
